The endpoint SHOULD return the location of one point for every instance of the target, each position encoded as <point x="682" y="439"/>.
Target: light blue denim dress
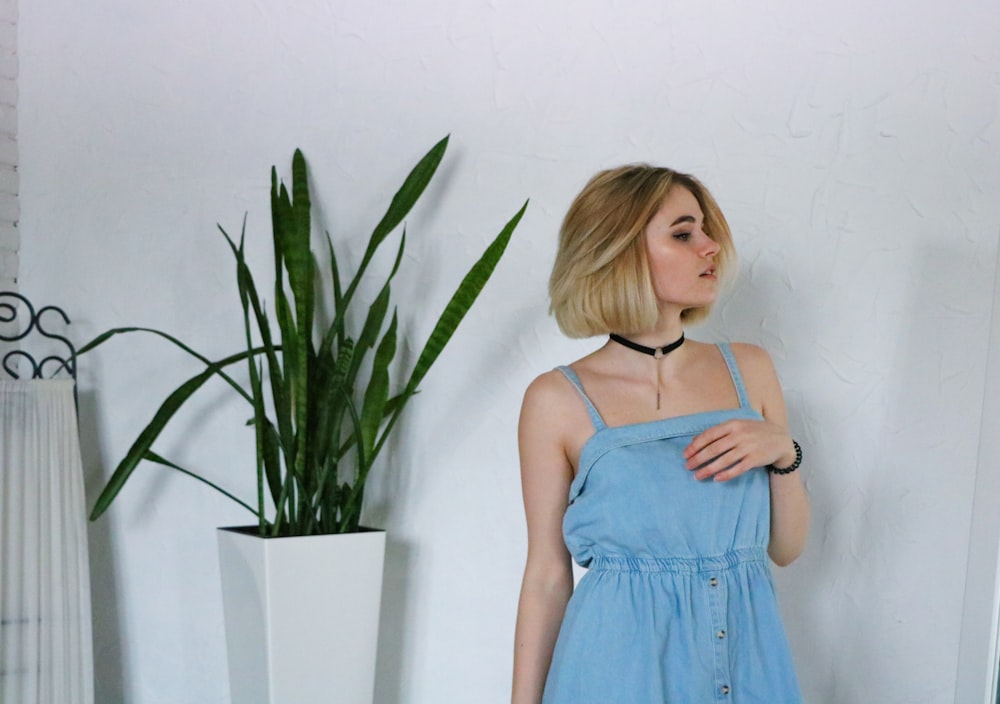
<point x="677" y="606"/>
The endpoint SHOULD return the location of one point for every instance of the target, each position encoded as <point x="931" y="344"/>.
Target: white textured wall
<point x="8" y="145"/>
<point x="854" y="146"/>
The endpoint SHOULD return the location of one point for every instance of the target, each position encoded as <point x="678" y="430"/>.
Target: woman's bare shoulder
<point x="751" y="357"/>
<point x="548" y="393"/>
<point x="759" y="374"/>
<point x="554" y="407"/>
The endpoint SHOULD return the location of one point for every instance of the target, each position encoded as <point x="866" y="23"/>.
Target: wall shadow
<point x="109" y="679"/>
<point x="756" y="313"/>
<point x="393" y="620"/>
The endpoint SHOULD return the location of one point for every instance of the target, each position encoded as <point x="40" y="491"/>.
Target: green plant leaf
<point x="148" y="435"/>
<point x="298" y="261"/>
<point x="402" y="202"/>
<point x="107" y="335"/>
<point x="462" y="300"/>
<point x="281" y="208"/>
<point x="338" y="294"/>
<point x="377" y="393"/>
<point x="454" y="312"/>
<point x="153" y="457"/>
<point x="350" y="509"/>
<point x="267" y="437"/>
<point x="332" y="514"/>
<point x="307" y="427"/>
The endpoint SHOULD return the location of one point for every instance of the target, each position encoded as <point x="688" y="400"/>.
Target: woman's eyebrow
<point x="683" y="218"/>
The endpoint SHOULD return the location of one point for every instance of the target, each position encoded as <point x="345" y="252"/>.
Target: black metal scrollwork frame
<point x="8" y="314"/>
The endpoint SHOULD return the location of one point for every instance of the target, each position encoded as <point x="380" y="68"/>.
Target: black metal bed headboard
<point x="11" y="303"/>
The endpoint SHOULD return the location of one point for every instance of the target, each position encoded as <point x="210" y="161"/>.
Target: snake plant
<point x="318" y="427"/>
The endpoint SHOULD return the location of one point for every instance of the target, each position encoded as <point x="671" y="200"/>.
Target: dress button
<point x="714" y="582"/>
<point x="725" y="689"/>
<point x="721" y="635"/>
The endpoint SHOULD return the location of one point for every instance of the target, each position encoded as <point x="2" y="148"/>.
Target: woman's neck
<point x="666" y="331"/>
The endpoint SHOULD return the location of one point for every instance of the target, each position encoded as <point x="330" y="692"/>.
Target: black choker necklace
<point x="656" y="352"/>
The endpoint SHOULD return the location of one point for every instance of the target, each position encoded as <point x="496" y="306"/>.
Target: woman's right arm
<point x="546" y="474"/>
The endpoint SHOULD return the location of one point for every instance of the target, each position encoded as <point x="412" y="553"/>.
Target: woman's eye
<point x="682" y="236"/>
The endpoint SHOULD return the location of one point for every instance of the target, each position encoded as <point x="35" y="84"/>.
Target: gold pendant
<point x="658" y="355"/>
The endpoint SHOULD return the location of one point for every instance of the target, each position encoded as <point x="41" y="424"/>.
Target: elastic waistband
<point x="712" y="563"/>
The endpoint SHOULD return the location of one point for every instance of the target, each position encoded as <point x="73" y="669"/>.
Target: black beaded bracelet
<point x="790" y="468"/>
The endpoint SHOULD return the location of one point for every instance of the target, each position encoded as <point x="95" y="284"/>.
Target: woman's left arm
<point x="732" y="448"/>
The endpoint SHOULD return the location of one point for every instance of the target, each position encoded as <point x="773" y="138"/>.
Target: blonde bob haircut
<point x="600" y="282"/>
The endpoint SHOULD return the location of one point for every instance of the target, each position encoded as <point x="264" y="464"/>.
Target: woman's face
<point x="681" y="256"/>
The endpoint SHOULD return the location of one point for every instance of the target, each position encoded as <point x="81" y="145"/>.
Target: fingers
<point x="726" y="451"/>
<point x="714" y="449"/>
<point x="724" y="467"/>
<point x="732" y="472"/>
<point x="701" y="442"/>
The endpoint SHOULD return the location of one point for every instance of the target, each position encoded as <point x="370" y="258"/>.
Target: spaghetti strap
<point x="734" y="372"/>
<point x="595" y="417"/>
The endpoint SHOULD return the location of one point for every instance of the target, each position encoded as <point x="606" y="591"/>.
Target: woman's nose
<point x="709" y="247"/>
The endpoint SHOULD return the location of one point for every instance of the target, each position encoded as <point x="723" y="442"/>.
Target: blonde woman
<point x="662" y="464"/>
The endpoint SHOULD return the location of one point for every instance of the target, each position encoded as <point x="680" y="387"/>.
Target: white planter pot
<point x="301" y="616"/>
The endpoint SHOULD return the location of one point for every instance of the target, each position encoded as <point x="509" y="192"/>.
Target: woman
<point x="664" y="465"/>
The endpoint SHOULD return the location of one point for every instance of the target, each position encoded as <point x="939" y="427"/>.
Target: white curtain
<point x="46" y="649"/>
